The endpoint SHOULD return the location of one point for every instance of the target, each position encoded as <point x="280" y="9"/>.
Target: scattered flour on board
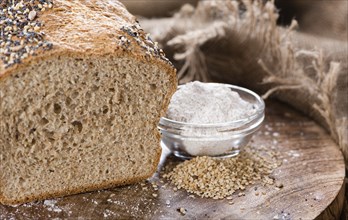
<point x="51" y="204"/>
<point x="108" y="213"/>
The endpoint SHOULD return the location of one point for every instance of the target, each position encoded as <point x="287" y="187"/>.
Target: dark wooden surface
<point x="312" y="173"/>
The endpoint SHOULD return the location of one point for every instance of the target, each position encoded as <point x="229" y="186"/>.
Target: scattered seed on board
<point x="182" y="211"/>
<point x="208" y="177"/>
<point x="279" y="185"/>
<point x="241" y="194"/>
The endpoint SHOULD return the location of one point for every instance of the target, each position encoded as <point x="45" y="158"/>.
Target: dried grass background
<point x="240" y="43"/>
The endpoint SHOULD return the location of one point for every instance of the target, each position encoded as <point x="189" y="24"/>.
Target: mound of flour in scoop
<point x="205" y="103"/>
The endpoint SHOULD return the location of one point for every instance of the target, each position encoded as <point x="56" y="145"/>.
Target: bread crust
<point x="72" y="191"/>
<point x="92" y="28"/>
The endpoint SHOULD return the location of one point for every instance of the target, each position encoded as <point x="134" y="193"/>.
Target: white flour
<point x="204" y="103"/>
<point x="51" y="204"/>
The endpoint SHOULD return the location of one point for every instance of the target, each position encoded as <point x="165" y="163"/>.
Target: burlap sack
<point x="155" y="8"/>
<point x="240" y="43"/>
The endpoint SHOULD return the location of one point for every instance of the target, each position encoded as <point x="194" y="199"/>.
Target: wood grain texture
<point x="312" y="173"/>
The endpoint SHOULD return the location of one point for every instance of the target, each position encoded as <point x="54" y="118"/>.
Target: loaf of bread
<point x="82" y="88"/>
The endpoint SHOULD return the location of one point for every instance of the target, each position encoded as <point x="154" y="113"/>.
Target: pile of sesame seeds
<point x="219" y="178"/>
<point x="143" y="40"/>
<point x="20" y="29"/>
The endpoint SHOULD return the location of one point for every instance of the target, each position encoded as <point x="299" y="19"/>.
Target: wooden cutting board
<point x="312" y="173"/>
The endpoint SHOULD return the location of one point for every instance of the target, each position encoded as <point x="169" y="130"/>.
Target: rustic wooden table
<point x="312" y="173"/>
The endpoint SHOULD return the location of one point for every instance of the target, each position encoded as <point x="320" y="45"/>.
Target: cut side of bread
<point x="76" y="120"/>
